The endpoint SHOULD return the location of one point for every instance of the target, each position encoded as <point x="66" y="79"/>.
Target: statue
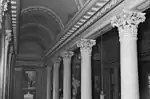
<point x="75" y="84"/>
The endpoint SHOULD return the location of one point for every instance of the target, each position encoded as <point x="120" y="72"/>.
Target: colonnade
<point x="127" y="23"/>
<point x="6" y="54"/>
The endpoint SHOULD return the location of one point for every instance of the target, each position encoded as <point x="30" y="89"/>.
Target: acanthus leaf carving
<point x="127" y="23"/>
<point x="86" y="44"/>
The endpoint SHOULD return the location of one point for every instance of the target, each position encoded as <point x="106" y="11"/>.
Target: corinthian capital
<point x="67" y="54"/>
<point x="86" y="44"/>
<point x="56" y="60"/>
<point x="127" y="22"/>
<point x="8" y="35"/>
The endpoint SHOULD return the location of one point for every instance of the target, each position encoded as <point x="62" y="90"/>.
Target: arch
<point x="30" y="39"/>
<point x="46" y="10"/>
<point x="41" y="26"/>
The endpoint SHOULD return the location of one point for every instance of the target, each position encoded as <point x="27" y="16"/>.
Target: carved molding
<point x="80" y="3"/>
<point x="14" y="20"/>
<point x="144" y="5"/>
<point x="79" y="27"/>
<point x="23" y="63"/>
<point x="18" y="69"/>
<point x="87" y="19"/>
<point x="24" y="58"/>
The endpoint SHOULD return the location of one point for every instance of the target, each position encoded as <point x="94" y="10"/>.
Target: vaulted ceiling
<point x="41" y="22"/>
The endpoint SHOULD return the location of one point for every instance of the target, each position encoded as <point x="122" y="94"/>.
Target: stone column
<point x="67" y="74"/>
<point x="5" y="41"/>
<point x="86" y="80"/>
<point x="116" y="82"/>
<point x="56" y="65"/>
<point x="9" y="70"/>
<point x="2" y="45"/>
<point x="17" y="90"/>
<point x="5" y="69"/>
<point x="127" y="24"/>
<point x="49" y="82"/>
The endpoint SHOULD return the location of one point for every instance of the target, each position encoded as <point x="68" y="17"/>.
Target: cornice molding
<point x="15" y="12"/>
<point x="23" y="63"/>
<point x="144" y="5"/>
<point x="20" y="57"/>
<point x="80" y="4"/>
<point x="45" y="10"/>
<point x="98" y="28"/>
<point x="95" y="12"/>
<point x="67" y="40"/>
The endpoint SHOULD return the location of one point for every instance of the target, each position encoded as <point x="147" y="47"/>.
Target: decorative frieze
<point x="14" y="22"/>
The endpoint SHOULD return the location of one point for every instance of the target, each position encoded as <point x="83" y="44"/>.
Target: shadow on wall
<point x="144" y="72"/>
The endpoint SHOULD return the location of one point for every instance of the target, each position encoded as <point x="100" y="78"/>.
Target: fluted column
<point x="86" y="80"/>
<point x="67" y="74"/>
<point x="127" y="24"/>
<point x="49" y="82"/>
<point x="56" y="65"/>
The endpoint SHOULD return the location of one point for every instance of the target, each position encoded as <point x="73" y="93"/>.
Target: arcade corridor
<point x="75" y="49"/>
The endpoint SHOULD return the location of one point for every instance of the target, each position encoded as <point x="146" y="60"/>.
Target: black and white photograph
<point x="74" y="49"/>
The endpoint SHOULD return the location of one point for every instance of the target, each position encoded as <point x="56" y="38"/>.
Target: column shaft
<point x="56" y="66"/>
<point x="86" y="80"/>
<point x="5" y="63"/>
<point x="49" y="82"/>
<point x="2" y="64"/>
<point x="56" y="84"/>
<point x="67" y="80"/>
<point x="127" y="24"/>
<point x="129" y="70"/>
<point x="67" y="75"/>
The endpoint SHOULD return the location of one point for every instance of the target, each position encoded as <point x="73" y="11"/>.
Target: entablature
<point x="97" y="24"/>
<point x="27" y="62"/>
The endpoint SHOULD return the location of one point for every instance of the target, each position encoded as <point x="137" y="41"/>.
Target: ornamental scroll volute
<point x="127" y="23"/>
<point x="3" y="8"/>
